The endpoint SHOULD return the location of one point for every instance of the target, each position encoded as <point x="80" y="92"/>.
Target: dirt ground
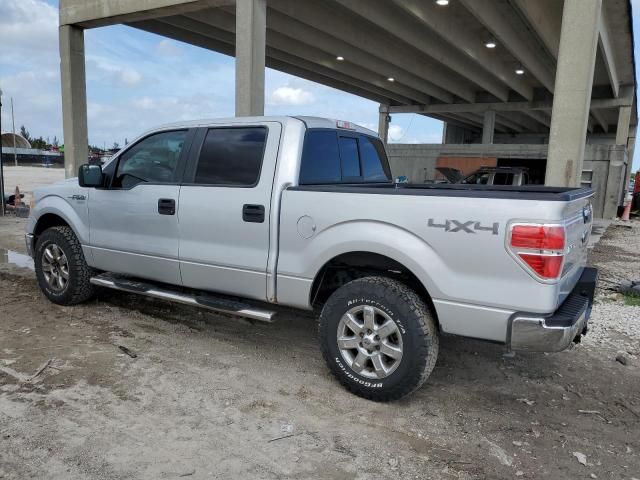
<point x="28" y="178"/>
<point x="210" y="396"/>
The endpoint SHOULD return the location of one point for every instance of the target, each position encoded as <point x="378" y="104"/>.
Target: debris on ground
<point x="581" y="457"/>
<point x="126" y="351"/>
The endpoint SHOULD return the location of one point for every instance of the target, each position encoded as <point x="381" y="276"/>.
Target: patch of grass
<point x="632" y="299"/>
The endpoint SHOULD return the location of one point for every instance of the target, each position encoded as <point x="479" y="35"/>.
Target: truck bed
<point x="507" y="192"/>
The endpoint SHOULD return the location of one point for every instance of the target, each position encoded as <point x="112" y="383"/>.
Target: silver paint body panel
<point x="475" y="283"/>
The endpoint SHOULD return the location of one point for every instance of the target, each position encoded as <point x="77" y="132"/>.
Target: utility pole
<point x="13" y="121"/>
<point x="1" y="170"/>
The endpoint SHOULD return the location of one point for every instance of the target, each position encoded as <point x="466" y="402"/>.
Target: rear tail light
<point x="539" y="248"/>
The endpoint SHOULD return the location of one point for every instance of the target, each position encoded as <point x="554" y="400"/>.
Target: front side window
<point x="231" y="157"/>
<point x="152" y="160"/>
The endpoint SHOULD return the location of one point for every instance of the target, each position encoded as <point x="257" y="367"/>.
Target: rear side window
<point x="231" y="157"/>
<point x="320" y="158"/>
<point x="329" y="157"/>
<point x="350" y="157"/>
<point x="375" y="167"/>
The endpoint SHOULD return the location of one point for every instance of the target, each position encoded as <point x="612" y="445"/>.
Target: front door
<point x="133" y="222"/>
<point x="224" y="209"/>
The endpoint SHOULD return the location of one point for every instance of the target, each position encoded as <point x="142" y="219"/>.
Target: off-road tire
<point x="78" y="289"/>
<point x="417" y="326"/>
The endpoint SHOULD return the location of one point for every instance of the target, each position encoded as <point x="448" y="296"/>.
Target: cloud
<point x="28" y="32"/>
<point x="119" y="75"/>
<point x="168" y="48"/>
<point x="291" y="96"/>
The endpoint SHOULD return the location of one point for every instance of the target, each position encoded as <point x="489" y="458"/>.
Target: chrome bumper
<point x="555" y="332"/>
<point x="534" y="335"/>
<point x="28" y="240"/>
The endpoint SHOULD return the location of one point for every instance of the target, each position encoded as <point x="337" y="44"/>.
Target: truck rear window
<point x="331" y="156"/>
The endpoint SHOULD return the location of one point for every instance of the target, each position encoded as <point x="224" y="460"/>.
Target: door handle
<point x="166" y="206"/>
<point x="253" y="213"/>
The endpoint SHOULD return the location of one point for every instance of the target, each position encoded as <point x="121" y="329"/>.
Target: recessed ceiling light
<point x="391" y="79"/>
<point x="340" y="58"/>
<point x="490" y="44"/>
<point x="519" y="71"/>
<point x="442" y="3"/>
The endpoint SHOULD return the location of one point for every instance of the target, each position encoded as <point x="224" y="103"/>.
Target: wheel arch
<point x="348" y="266"/>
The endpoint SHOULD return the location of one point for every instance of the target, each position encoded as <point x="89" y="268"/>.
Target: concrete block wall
<point x="606" y="163"/>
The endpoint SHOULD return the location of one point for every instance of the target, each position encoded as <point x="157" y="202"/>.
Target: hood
<point x="453" y="175"/>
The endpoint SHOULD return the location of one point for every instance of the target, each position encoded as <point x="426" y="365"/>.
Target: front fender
<point x="75" y="217"/>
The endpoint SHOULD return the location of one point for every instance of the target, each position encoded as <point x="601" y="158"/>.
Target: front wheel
<point x="378" y="338"/>
<point x="61" y="269"/>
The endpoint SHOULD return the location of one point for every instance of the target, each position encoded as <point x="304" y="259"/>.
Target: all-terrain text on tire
<point x="61" y="269"/>
<point x="378" y="338"/>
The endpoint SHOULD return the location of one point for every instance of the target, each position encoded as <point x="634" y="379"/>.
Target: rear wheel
<point x="378" y="338"/>
<point x="61" y="269"/>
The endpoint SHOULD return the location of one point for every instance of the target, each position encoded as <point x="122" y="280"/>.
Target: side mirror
<point x="90" y="175"/>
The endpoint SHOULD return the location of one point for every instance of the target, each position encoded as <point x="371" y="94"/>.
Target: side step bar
<point x="194" y="299"/>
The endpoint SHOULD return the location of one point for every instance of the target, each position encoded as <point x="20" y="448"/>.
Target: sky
<point x="138" y="80"/>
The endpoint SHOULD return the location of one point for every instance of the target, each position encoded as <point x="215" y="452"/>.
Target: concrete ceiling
<point x="436" y="55"/>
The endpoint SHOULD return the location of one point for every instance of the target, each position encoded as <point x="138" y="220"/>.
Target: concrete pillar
<point x="572" y="97"/>
<point x="74" y="99"/>
<point x="624" y="120"/>
<point x="488" y="126"/>
<point x="251" y="30"/>
<point x="383" y="123"/>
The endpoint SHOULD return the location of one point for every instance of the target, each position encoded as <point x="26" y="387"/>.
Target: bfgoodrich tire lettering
<point x="69" y="263"/>
<point x="415" y="338"/>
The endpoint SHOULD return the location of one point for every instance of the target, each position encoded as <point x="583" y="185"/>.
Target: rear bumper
<point x="555" y="332"/>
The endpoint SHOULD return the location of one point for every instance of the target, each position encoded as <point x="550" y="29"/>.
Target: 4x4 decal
<point x="470" y="226"/>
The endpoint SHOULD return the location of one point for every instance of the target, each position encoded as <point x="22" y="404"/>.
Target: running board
<point x="202" y="300"/>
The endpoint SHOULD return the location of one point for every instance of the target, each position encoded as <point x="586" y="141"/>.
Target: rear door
<point x="224" y="209"/>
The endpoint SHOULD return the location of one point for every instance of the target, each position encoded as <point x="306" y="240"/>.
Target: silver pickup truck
<point x="244" y="215"/>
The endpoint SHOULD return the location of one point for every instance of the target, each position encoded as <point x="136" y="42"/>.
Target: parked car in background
<point x="243" y="215"/>
<point x="488" y="176"/>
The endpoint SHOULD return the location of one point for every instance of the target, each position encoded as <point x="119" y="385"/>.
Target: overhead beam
<point x="604" y="42"/>
<point x="445" y="25"/>
<point x="376" y="42"/>
<point x="387" y="16"/>
<point x="511" y="38"/>
<point x="289" y="65"/>
<point x="527" y="107"/>
<point x="203" y="21"/>
<point x="332" y="46"/>
<point x="599" y="117"/>
<point x="98" y="13"/>
<point x="545" y="18"/>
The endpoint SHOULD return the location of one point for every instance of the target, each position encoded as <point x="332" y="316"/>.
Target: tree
<point x="126" y="142"/>
<point x="116" y="146"/>
<point x="38" y="143"/>
<point x="25" y="133"/>
<point x="55" y="142"/>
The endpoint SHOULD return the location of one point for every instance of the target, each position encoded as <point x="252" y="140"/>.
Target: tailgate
<point x="578" y="220"/>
